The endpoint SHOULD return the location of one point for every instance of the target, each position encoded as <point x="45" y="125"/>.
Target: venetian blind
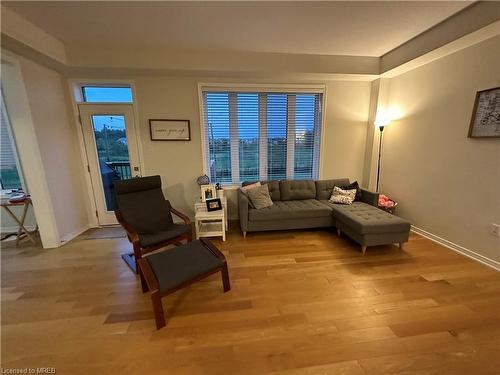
<point x="261" y="135"/>
<point x="10" y="177"/>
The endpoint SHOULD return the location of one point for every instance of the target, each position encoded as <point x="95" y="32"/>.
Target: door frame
<point x="105" y="216"/>
<point x="75" y="92"/>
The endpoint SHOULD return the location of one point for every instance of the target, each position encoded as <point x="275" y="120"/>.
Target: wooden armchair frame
<point x="132" y="258"/>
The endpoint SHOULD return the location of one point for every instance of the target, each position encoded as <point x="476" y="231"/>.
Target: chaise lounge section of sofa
<point x="301" y="204"/>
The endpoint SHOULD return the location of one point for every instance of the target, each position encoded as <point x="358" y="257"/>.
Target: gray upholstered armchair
<point x="147" y="217"/>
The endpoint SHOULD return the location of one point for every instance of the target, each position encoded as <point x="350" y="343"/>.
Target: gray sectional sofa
<point x="299" y="204"/>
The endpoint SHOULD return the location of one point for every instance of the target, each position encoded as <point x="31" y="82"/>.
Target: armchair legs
<point x="144" y="284"/>
<point x="225" y="278"/>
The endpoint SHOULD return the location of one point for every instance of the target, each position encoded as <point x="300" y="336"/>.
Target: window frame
<point x="114" y="86"/>
<point x="256" y="88"/>
<point x="13" y="143"/>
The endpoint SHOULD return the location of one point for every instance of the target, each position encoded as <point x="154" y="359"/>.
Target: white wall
<point x="446" y="183"/>
<point x="180" y="163"/>
<point x="56" y="139"/>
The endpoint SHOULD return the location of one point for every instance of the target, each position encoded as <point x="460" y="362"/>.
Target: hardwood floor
<point x="304" y="302"/>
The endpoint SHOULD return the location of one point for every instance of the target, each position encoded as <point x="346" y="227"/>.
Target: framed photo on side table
<point x="213" y="204"/>
<point x="208" y="192"/>
<point x="485" y="121"/>
<point x="169" y="130"/>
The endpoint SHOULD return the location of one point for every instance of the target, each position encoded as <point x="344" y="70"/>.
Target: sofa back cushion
<point x="297" y="189"/>
<point x="324" y="187"/>
<point x="274" y="188"/>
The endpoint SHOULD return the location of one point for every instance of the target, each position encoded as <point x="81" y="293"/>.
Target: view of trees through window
<point x="111" y="141"/>
<point x="273" y="135"/>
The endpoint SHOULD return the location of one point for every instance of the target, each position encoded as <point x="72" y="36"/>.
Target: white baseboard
<point x="68" y="237"/>
<point x="459" y="249"/>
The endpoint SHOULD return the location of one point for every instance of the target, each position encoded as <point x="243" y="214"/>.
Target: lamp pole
<point x="381" y="128"/>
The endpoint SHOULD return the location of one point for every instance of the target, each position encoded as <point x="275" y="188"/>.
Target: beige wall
<point x="446" y="183"/>
<point x="180" y="163"/>
<point x="57" y="141"/>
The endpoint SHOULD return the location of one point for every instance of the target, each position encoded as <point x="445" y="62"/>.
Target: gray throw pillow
<point x="260" y="197"/>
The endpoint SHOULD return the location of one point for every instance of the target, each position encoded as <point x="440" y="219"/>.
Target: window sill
<point x="231" y="187"/>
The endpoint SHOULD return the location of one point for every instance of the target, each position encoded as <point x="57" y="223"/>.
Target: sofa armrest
<point x="243" y="205"/>
<point x="369" y="197"/>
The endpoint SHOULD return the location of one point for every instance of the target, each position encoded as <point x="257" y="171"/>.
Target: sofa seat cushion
<point x="297" y="209"/>
<point x="367" y="219"/>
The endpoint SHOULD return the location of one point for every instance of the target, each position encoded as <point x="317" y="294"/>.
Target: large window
<point x="261" y="135"/>
<point x="10" y="169"/>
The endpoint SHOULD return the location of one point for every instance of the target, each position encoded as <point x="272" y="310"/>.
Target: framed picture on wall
<point x="169" y="130"/>
<point x="485" y="121"/>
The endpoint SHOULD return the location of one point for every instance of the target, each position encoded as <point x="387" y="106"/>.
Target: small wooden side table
<point x="22" y="231"/>
<point x="210" y="224"/>
<point x="203" y="207"/>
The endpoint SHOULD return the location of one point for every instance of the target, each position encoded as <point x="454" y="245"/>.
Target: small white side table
<point x="210" y="224"/>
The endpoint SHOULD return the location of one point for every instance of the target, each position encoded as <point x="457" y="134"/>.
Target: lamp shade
<point x="382" y="121"/>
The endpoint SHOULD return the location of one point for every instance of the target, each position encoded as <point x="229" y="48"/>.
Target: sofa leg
<point x="363" y="249"/>
<point x="400" y="246"/>
<point x="338" y="232"/>
<point x="244" y="234"/>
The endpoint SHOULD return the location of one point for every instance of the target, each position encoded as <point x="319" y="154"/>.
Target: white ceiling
<point x="326" y="28"/>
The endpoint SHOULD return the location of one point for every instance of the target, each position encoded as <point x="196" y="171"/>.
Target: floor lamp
<point x="380" y="123"/>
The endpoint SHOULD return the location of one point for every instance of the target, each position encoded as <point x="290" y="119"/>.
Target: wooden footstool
<point x="167" y="271"/>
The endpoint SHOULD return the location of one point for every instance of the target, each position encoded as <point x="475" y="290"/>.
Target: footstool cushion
<point x="175" y="266"/>
<point x="167" y="271"/>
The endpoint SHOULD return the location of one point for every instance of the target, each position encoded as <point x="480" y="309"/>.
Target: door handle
<point x="136" y="169"/>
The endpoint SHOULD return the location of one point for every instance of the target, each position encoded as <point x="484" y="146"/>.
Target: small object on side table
<point x="211" y="223"/>
<point x="220" y="190"/>
<point x="213" y="204"/>
<point x="387" y="204"/>
<point x="203" y="180"/>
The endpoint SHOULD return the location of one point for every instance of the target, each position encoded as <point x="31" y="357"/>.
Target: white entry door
<point x="112" y="152"/>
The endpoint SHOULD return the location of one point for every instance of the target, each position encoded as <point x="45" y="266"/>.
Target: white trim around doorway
<point x="75" y="90"/>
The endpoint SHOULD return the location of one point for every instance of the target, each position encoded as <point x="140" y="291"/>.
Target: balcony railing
<point x="122" y="168"/>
